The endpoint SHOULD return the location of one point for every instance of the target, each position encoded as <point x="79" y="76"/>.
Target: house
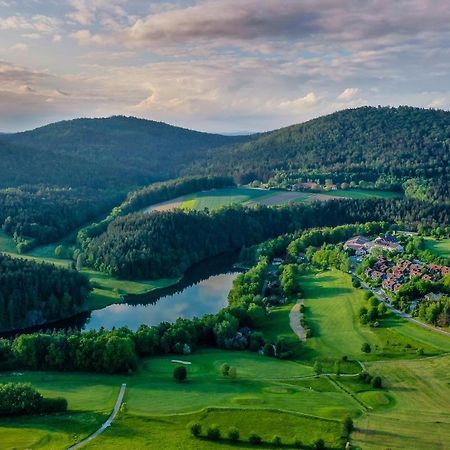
<point x="387" y="243"/>
<point x="357" y="243"/>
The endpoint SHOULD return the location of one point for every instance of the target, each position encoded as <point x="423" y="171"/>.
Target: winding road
<point x="382" y="296"/>
<point x="107" y="424"/>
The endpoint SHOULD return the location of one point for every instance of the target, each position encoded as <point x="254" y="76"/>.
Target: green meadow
<point x="439" y="247"/>
<point x="364" y="193"/>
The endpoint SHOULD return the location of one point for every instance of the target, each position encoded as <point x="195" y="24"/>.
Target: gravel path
<point x="107" y="424"/>
<point x="294" y="320"/>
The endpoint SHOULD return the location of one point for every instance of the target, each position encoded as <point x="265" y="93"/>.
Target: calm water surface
<point x="205" y="297"/>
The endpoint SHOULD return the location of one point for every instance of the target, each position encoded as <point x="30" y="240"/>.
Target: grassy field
<point x="418" y="415"/>
<point x="265" y="392"/>
<point x="249" y="196"/>
<point x="331" y="311"/>
<point x="439" y="247"/>
<point x="223" y="197"/>
<point x="364" y="193"/>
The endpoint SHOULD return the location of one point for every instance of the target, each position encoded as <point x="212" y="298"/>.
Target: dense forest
<point x="40" y="214"/>
<point x="151" y="194"/>
<point x="351" y="145"/>
<point x="117" y="151"/>
<point x="165" y="244"/>
<point x="32" y="294"/>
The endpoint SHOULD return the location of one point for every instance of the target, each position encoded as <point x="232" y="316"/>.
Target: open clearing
<point x="439" y="247"/>
<point x="217" y="198"/>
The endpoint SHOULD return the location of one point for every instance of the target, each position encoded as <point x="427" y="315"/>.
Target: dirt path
<point x="107" y="424"/>
<point x="294" y="321"/>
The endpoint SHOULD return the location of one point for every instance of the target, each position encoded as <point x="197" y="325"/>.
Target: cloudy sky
<point x="219" y="65"/>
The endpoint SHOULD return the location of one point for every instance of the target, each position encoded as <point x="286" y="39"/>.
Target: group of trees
<point x="372" y="311"/>
<point x="93" y="351"/>
<point x="165" y="244"/>
<point x="435" y="312"/>
<point x="41" y="214"/>
<point x="21" y="398"/>
<point x="32" y="294"/>
<point x="213" y="433"/>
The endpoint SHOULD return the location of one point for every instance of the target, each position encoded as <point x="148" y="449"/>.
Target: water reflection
<point x="205" y="297"/>
<point x="203" y="290"/>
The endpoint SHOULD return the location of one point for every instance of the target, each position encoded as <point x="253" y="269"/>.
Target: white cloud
<point x="21" y="47"/>
<point x="348" y="94"/>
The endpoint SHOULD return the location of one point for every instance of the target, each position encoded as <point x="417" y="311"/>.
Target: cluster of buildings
<point x="363" y="245"/>
<point x="393" y="276"/>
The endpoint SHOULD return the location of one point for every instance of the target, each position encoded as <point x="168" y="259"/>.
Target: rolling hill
<point x="351" y="145"/>
<point x="102" y="152"/>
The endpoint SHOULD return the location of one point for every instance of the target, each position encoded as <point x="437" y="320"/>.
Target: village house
<point x="357" y="244"/>
<point x="387" y="243"/>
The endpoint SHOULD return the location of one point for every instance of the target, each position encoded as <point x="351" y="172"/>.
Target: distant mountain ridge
<point x="99" y="152"/>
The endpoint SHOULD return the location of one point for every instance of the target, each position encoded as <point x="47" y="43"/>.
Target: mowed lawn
<point x="331" y="311"/>
<point x="264" y="387"/>
<point x="332" y="308"/>
<point x="439" y="247"/>
<point x="419" y="417"/>
<point x="224" y="197"/>
<point x="364" y="193"/>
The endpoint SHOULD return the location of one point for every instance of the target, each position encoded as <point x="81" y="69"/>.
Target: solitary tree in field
<point x="366" y="348"/>
<point x="347" y="426"/>
<point x="233" y="434"/>
<point x="225" y="369"/>
<point x="180" y="373"/>
<point x="232" y="373"/>
<point x="195" y="428"/>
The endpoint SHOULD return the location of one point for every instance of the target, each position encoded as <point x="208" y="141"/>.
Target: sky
<point x="219" y="65"/>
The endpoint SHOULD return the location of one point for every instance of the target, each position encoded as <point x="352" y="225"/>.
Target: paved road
<point x="107" y="424"/>
<point x="383" y="297"/>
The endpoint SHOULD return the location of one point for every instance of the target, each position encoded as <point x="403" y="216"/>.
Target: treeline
<point x="32" y="294"/>
<point x="41" y="214"/>
<point x="362" y="144"/>
<point x="17" y="399"/>
<point x="154" y="193"/>
<point x="165" y="244"/>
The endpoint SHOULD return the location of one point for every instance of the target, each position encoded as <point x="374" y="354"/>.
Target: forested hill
<point x="351" y="145"/>
<point x="103" y="152"/>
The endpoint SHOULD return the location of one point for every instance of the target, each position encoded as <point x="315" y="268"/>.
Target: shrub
<point x="195" y="428"/>
<point x="233" y="373"/>
<point x="213" y="433"/>
<point x="377" y="383"/>
<point x="225" y="369"/>
<point x="298" y="443"/>
<point x="366" y="348"/>
<point x="347" y="426"/>
<point x="180" y="373"/>
<point x="18" y="399"/>
<point x="269" y="350"/>
<point x="254" y="439"/>
<point x="233" y="434"/>
<point x="276" y="440"/>
<point x="319" y="444"/>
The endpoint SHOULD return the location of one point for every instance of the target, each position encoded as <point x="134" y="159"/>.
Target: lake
<point x="205" y="297"/>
